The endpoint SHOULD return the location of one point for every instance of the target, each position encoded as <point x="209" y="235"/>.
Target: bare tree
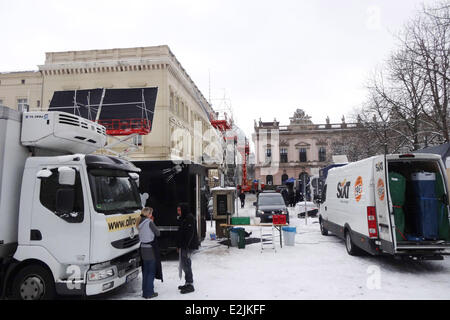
<point x="403" y="91"/>
<point x="427" y="41"/>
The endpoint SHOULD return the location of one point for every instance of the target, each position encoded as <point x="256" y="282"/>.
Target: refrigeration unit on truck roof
<point x="63" y="132"/>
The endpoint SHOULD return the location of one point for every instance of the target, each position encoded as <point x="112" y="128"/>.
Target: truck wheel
<point x="33" y="283"/>
<point x="350" y="246"/>
<point x="323" y="230"/>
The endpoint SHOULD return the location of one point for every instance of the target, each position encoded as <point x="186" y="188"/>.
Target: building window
<point x="23" y="81"/>
<point x="137" y="140"/>
<point x="268" y="155"/>
<point x="322" y="154"/>
<point x="171" y="102"/>
<point x="283" y="155"/>
<point x="269" y="180"/>
<point x="22" y="105"/>
<point x="38" y="103"/>
<point x="302" y="155"/>
<point x="284" y="177"/>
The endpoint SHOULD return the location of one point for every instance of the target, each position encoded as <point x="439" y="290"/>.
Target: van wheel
<point x="33" y="282"/>
<point x="350" y="246"/>
<point x="323" y="230"/>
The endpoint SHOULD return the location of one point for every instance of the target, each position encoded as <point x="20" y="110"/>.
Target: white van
<point x="389" y="204"/>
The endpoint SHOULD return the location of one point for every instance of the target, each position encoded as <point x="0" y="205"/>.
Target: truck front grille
<point x="125" y="243"/>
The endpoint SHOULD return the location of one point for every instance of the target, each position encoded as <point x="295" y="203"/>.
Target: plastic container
<point x="234" y="237"/>
<point x="241" y="238"/>
<point x="240" y="220"/>
<point x="289" y="235"/>
<point x="424" y="185"/>
<point x="278" y="219"/>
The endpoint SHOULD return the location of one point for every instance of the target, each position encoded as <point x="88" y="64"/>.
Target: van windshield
<point x="113" y="191"/>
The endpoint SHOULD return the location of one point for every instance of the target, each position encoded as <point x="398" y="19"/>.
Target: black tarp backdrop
<point x="117" y="103"/>
<point x="167" y="185"/>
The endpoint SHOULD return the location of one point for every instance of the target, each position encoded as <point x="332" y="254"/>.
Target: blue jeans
<point x="148" y="277"/>
<point x="186" y="265"/>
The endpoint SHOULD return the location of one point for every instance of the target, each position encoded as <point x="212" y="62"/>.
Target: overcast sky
<point x="267" y="58"/>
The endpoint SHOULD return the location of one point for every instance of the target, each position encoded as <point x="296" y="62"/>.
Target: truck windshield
<point x="113" y="191"/>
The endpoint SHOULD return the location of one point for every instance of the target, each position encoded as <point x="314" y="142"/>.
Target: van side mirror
<point x="65" y="201"/>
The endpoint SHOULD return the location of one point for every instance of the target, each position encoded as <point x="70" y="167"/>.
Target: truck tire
<point x="323" y="230"/>
<point x="350" y="246"/>
<point x="33" y="282"/>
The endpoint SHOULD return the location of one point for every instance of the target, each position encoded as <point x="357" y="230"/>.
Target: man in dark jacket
<point x="187" y="241"/>
<point x="242" y="197"/>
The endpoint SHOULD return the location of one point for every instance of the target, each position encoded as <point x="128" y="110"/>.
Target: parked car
<point x="268" y="204"/>
<point x="311" y="208"/>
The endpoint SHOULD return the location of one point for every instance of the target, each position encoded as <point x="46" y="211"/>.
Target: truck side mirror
<point x="135" y="177"/>
<point x="65" y="201"/>
<point x="44" y="173"/>
<point x="66" y="176"/>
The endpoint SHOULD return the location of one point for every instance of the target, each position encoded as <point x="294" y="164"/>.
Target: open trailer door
<point x="382" y="204"/>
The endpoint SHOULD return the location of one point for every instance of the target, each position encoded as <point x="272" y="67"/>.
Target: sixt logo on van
<point x="343" y="189"/>
<point x="358" y="188"/>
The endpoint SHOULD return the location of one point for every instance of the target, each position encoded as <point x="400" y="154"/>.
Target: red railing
<point x="124" y="127"/>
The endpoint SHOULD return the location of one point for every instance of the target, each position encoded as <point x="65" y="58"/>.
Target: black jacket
<point x="158" y="271"/>
<point x="187" y="233"/>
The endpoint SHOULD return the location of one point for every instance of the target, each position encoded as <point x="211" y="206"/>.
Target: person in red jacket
<point x="187" y="241"/>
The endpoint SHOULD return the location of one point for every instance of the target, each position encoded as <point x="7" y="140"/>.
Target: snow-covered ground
<point x="317" y="267"/>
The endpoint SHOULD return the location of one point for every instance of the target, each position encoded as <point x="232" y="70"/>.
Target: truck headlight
<point x="96" y="275"/>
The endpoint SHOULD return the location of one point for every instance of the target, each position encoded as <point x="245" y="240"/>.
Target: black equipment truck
<point x="168" y="183"/>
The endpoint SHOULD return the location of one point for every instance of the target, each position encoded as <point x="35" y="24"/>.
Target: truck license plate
<point x="132" y="276"/>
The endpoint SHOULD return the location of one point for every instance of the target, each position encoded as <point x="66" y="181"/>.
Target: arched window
<point x="269" y="180"/>
<point x="284" y="177"/>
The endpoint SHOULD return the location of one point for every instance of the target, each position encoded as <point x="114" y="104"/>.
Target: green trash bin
<point x="241" y="239"/>
<point x="397" y="188"/>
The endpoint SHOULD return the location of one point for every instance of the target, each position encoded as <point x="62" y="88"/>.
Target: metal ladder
<point x="267" y="240"/>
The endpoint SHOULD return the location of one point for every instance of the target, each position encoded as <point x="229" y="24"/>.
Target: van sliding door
<point x="382" y="202"/>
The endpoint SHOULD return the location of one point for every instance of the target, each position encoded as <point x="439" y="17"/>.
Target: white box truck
<point x="389" y="205"/>
<point x="66" y="216"/>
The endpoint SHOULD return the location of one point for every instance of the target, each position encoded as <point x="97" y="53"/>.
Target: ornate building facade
<point x="180" y="106"/>
<point x="299" y="148"/>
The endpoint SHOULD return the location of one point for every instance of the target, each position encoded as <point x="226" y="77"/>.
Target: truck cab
<point x="74" y="214"/>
